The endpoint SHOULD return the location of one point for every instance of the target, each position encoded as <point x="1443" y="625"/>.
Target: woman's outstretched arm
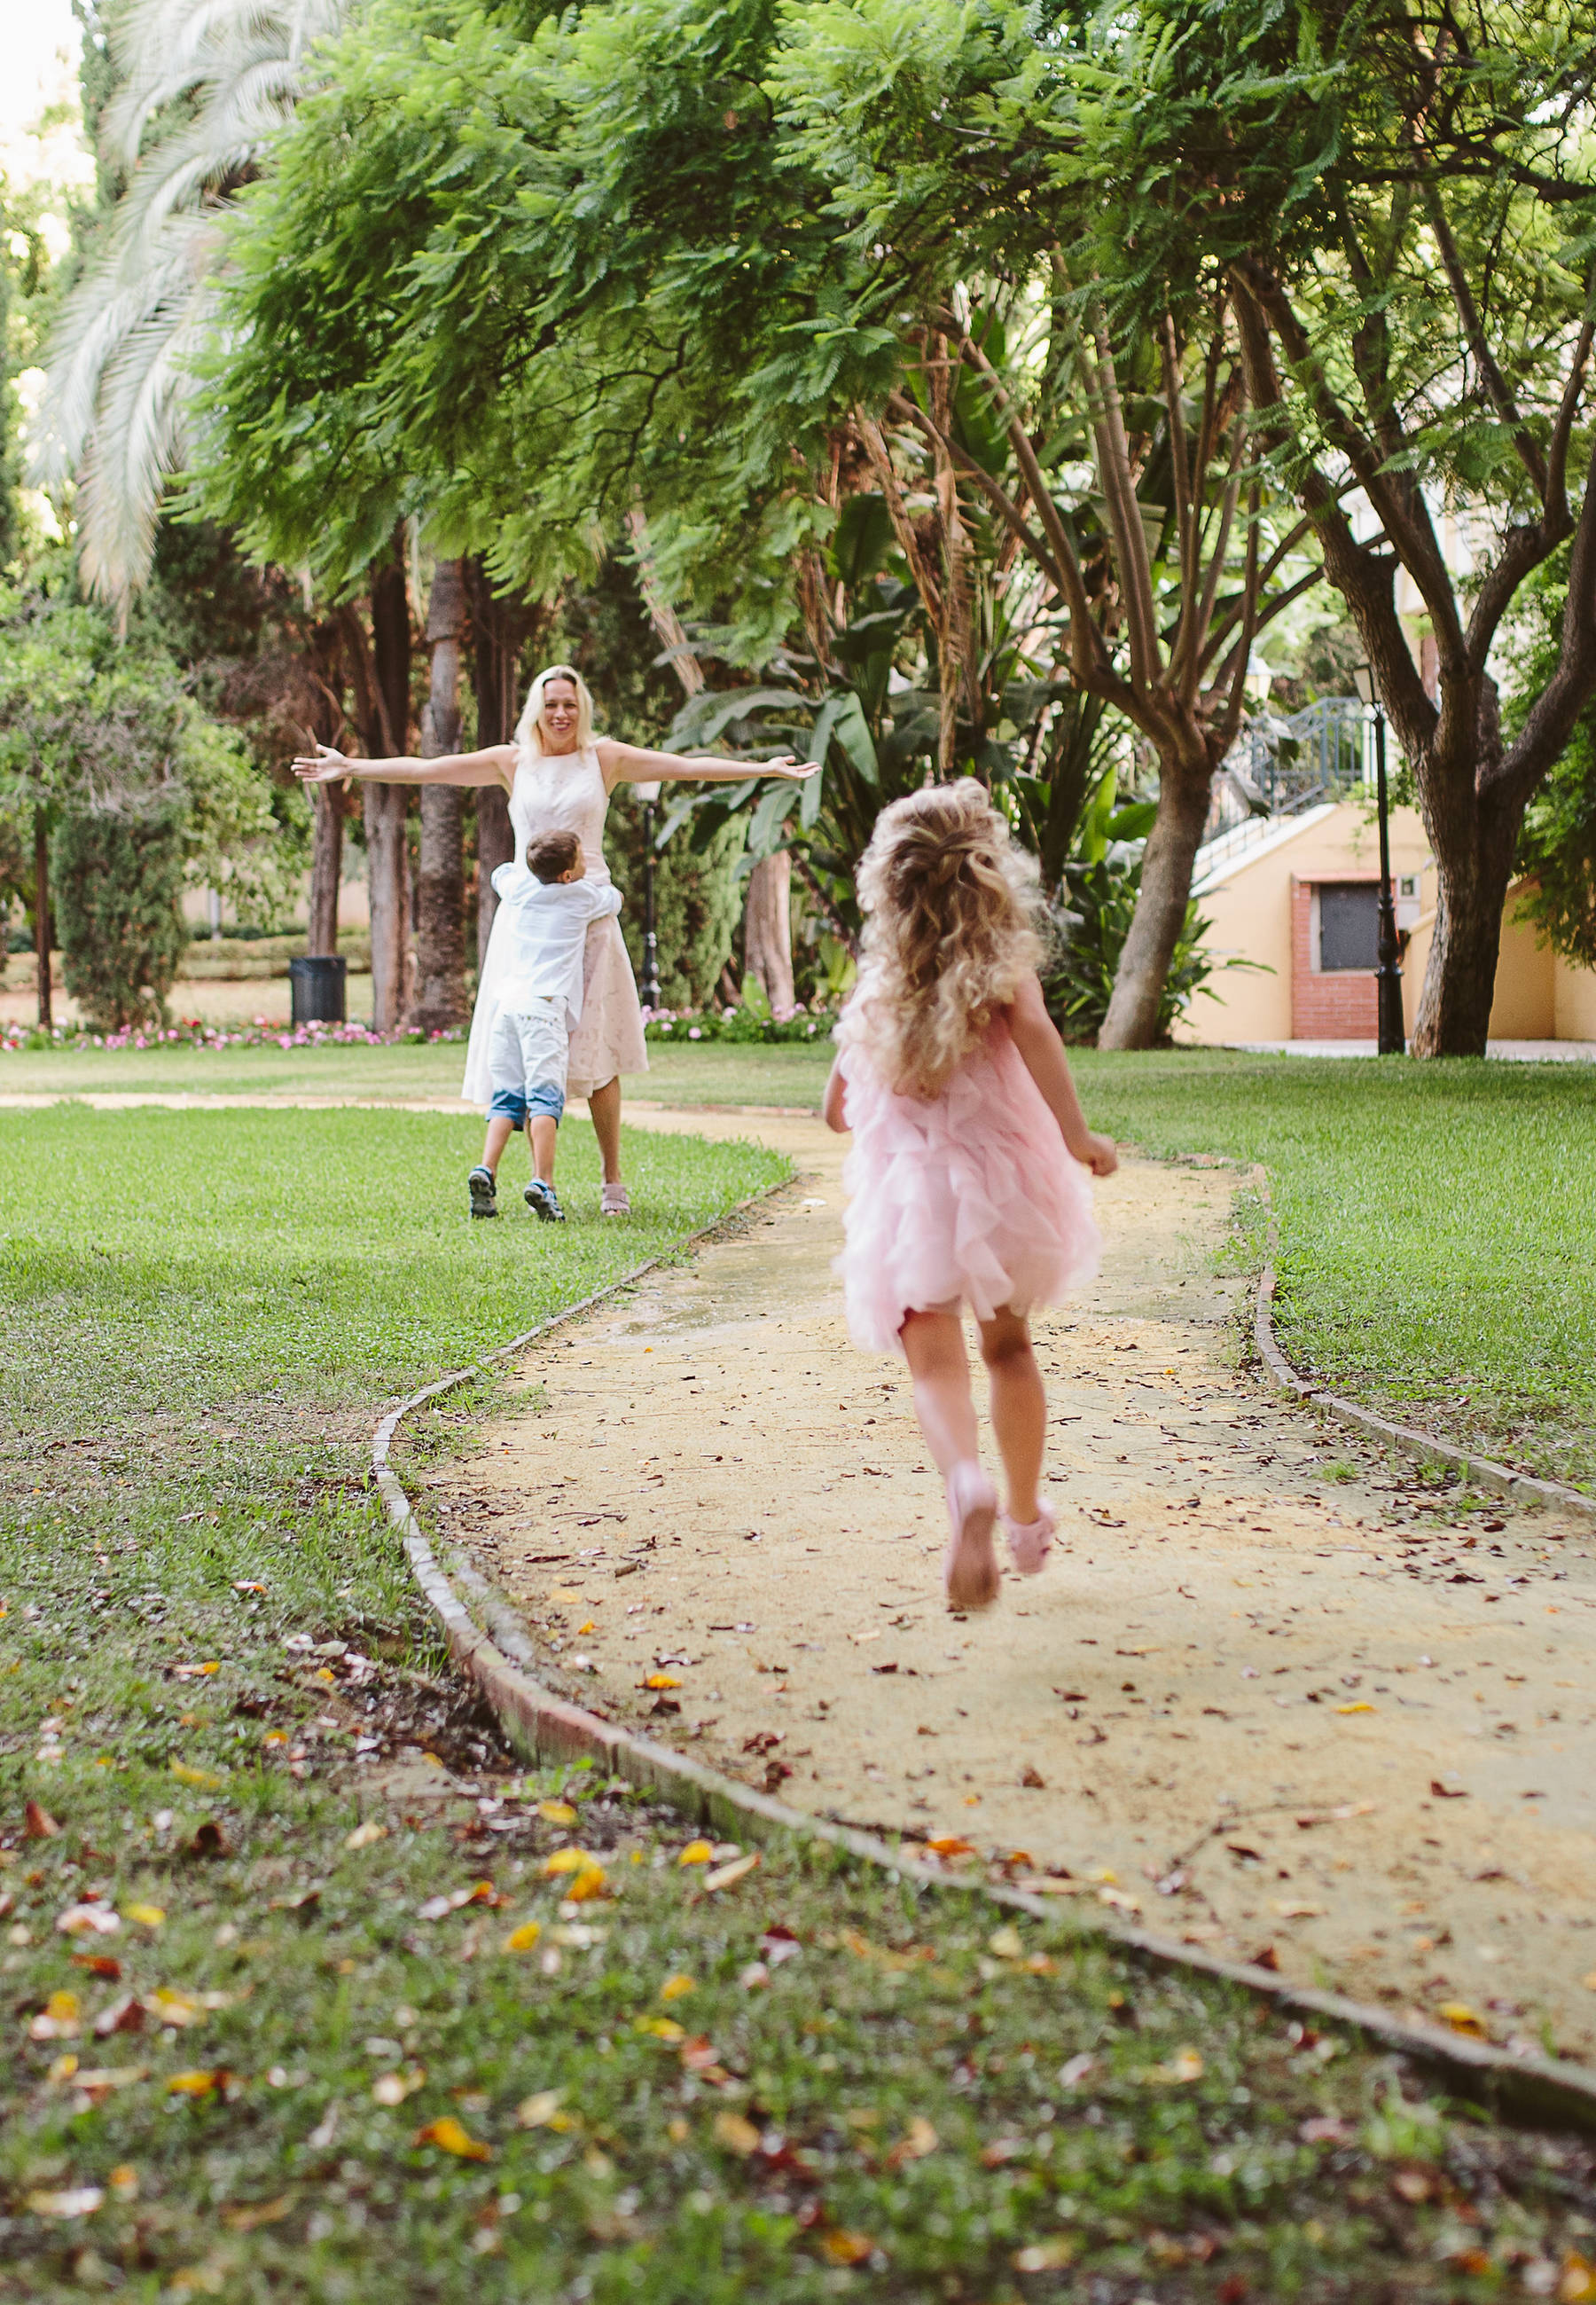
<point x="636" y="764"/>
<point x="495" y="766"/>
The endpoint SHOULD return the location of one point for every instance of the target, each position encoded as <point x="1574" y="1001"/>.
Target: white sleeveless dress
<point x="566" y="794"/>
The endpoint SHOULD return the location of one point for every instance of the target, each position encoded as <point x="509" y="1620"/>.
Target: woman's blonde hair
<point x="949" y="905"/>
<point x="529" y="730"/>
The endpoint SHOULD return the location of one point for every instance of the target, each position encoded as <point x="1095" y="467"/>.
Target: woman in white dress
<point x="559" y="776"/>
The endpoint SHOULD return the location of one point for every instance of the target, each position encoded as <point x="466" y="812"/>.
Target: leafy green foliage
<point x="697" y="901"/>
<point x="1101" y="884"/>
<point x="1557" y="845"/>
<point x="115" y="880"/>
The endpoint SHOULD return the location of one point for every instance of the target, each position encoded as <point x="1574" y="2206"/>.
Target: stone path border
<point x="540" y="1725"/>
<point x="1502" y="1479"/>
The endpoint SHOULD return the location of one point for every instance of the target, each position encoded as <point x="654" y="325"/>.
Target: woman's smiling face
<point x="559" y="713"/>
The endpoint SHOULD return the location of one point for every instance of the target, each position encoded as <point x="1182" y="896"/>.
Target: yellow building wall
<point x="1249" y="913"/>
<point x="1573" y="1001"/>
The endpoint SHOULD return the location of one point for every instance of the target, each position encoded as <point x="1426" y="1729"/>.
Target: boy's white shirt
<point x="547" y="923"/>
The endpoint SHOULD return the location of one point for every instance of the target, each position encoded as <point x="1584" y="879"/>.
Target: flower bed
<point x="744" y="1024"/>
<point x="190" y="1033"/>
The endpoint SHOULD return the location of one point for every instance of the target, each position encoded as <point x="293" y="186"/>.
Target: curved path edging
<point x="1502" y="1479"/>
<point x="542" y="1726"/>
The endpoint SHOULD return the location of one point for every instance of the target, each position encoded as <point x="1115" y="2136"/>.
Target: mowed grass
<point x="1437" y="1227"/>
<point x="314" y="2046"/>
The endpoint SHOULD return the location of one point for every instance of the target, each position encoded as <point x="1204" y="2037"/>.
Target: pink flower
<point x="693" y="1033"/>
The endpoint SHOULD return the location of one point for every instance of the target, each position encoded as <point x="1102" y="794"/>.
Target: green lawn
<point x="217" y="1687"/>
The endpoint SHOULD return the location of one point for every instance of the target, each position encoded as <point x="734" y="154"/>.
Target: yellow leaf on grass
<point x="197" y="2084"/>
<point x="201" y="1779"/>
<point x="726" y="1876"/>
<point x="57" y="2021"/>
<point x="1578" y="2283"/>
<point x="844" y="2247"/>
<point x="675" y="1987"/>
<point x="78" y="2201"/>
<point x="64" y="2068"/>
<point x="1005" y="1943"/>
<point x="663" y="2029"/>
<point x="451" y="2137"/>
<point x="555" y="1812"/>
<point x="541" y="2110"/>
<point x="1186" y="2065"/>
<point x="569" y="1860"/>
<point x="1361" y="1706"/>
<point x="586" y="1884"/>
<point x="124" y="2181"/>
<point x="918" y="2140"/>
<point x="525" y="1938"/>
<point x="661" y="1681"/>
<point x="697" y="1852"/>
<point x="149" y="1917"/>
<point x="365" y="1834"/>
<point x="1044" y="2256"/>
<point x="736" y="2134"/>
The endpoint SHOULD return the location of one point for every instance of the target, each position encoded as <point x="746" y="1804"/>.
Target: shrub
<point x="697" y="901"/>
<point x="116" y="879"/>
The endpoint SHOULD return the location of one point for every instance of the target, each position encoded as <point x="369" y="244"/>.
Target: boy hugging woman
<point x="548" y="908"/>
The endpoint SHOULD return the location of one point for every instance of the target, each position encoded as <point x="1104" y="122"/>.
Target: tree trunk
<point x="768" y="930"/>
<point x="497" y="628"/>
<point x="440" y="1003"/>
<point x="327" y="866"/>
<point x="41" y="913"/>
<point x="1473" y="852"/>
<point x="387" y="851"/>
<point x="1133" y="1018"/>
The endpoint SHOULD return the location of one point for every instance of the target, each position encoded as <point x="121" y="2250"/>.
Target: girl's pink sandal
<point x="970" y="1570"/>
<point x="1030" y="1541"/>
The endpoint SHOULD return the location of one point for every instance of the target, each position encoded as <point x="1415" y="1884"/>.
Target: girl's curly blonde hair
<point x="949" y="905"/>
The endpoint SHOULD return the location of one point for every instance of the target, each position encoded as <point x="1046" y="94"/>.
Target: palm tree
<point x="202" y="87"/>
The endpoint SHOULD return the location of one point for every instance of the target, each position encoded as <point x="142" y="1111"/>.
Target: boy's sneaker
<point x="484" y="1193"/>
<point x="544" y="1202"/>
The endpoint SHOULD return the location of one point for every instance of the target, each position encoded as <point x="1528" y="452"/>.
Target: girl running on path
<point x="968" y="1175"/>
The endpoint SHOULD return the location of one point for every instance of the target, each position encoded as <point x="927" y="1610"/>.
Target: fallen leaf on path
<point x="1044" y="2256"/>
<point x="149" y="1917"/>
<point x="76" y="2201"/>
<point x="482" y="1893"/>
<point x="525" y="1938"/>
<point x="1462" y="2019"/>
<point x="556" y="1812"/>
<point x="1294" y="1909"/>
<point x="1127" y="1899"/>
<point x="1265" y="1957"/>
<point x="697" y="1852"/>
<point x="39" y="1824"/>
<point x="1577" y="2284"/>
<point x="726" y="1876"/>
<point x="1361" y="1706"/>
<point x="1335" y="1815"/>
<point x="569" y="1860"/>
<point x="1032" y="1779"/>
<point x="1446" y="1792"/>
<point x="1590" y="1982"/>
<point x="393" y="2089"/>
<point x="660" y="1680"/>
<point x="736" y="2134"/>
<point x="201" y="1780"/>
<point x="450" y="2135"/>
<point x="675" y="1986"/>
<point x="950" y="1845"/>
<point x="873" y="1635"/>
<point x="364" y="1835"/>
<point x="57" y="2021"/>
<point x="98" y="1964"/>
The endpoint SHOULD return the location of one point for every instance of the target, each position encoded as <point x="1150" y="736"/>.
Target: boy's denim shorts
<point x="510" y="1105"/>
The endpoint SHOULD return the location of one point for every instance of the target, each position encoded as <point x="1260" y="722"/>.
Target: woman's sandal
<point x="1030" y="1541"/>
<point x="969" y="1570"/>
<point x="615" y="1201"/>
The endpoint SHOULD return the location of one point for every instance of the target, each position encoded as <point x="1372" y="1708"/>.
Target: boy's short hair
<point x="551" y="854"/>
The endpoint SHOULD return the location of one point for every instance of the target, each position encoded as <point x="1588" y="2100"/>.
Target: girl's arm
<point x="1034" y="1034"/>
<point x="495" y="766"/>
<point x="831" y="1103"/>
<point x="635" y="764"/>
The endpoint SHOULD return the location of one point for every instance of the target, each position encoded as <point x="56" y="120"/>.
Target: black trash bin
<point x="316" y="986"/>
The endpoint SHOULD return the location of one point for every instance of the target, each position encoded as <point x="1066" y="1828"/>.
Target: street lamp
<point x="649" y="797"/>
<point x="1393" y="1040"/>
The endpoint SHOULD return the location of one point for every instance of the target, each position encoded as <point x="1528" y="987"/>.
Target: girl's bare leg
<point x="1019" y="1408"/>
<point x="500" y="1130"/>
<point x="604" y="1109"/>
<point x="940" y="1365"/>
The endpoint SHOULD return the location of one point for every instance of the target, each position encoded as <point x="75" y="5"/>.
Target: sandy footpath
<point x="1269" y="1694"/>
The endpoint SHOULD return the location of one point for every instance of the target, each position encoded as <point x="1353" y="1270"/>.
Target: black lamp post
<point x="1393" y="1039"/>
<point x="649" y="797"/>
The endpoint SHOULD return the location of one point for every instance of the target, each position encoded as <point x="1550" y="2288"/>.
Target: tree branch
<point x="1468" y="312"/>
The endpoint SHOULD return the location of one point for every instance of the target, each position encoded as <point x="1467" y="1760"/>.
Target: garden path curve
<point x="1273" y="1693"/>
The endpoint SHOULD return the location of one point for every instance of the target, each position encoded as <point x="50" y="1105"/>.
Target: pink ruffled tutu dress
<point x="968" y="1196"/>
